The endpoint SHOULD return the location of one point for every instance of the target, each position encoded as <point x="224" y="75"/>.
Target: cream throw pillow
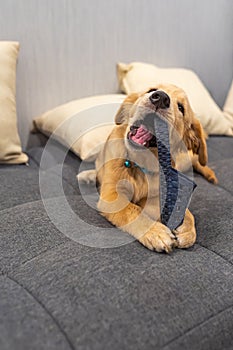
<point x="10" y="146"/>
<point x="228" y="106"/>
<point x="83" y="125"/>
<point x="138" y="76"/>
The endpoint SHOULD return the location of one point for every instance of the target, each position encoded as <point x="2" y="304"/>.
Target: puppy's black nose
<point x="160" y="99"/>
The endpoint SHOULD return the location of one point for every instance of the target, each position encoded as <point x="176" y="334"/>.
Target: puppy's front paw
<point x="185" y="239"/>
<point x="186" y="233"/>
<point x="158" y="238"/>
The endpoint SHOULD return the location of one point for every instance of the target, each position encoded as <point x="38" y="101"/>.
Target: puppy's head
<point x="172" y="105"/>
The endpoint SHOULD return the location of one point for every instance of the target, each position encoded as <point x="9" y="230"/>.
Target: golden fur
<point x="129" y="198"/>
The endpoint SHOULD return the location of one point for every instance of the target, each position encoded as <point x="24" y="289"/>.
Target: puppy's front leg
<point x="130" y="218"/>
<point x="186" y="233"/>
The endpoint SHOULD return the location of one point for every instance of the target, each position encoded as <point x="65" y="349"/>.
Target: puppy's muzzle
<point x="160" y="99"/>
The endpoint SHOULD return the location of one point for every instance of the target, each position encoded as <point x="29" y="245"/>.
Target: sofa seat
<point x="59" y="294"/>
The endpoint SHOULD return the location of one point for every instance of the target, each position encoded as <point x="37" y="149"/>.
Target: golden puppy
<point x="128" y="170"/>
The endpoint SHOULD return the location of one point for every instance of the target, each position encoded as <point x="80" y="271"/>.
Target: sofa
<point x="58" y="292"/>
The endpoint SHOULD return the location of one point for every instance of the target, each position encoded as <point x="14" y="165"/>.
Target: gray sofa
<point x="56" y="293"/>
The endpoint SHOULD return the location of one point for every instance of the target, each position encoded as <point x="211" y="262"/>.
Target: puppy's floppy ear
<point x="123" y="112"/>
<point x="194" y="139"/>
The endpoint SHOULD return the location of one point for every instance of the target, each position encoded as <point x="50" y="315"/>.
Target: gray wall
<point x="69" y="48"/>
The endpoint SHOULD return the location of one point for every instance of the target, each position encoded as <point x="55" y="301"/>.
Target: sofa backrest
<point x="69" y="48"/>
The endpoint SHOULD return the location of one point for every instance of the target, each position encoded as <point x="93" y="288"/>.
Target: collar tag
<point x="129" y="164"/>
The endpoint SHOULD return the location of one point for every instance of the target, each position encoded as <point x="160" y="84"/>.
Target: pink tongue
<point x="142" y="135"/>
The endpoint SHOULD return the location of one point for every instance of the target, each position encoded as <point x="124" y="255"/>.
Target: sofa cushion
<point x="82" y="125"/>
<point x="228" y="105"/>
<point x="139" y="76"/>
<point x="130" y="297"/>
<point x="25" y="232"/>
<point x="10" y="146"/>
<point x="220" y="148"/>
<point x="20" y="184"/>
<point x="24" y="321"/>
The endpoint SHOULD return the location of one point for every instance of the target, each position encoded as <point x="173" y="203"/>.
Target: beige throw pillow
<point x="228" y="106"/>
<point x="139" y="76"/>
<point x="10" y="146"/>
<point x="83" y="125"/>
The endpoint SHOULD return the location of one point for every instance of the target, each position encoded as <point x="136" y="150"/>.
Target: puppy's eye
<point x="151" y="90"/>
<point x="181" y="108"/>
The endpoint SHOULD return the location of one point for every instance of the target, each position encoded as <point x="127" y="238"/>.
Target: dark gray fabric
<point x="221" y="145"/>
<point x="36" y="140"/>
<point x="20" y="184"/>
<point x="56" y="293"/>
<point x="53" y="154"/>
<point x="224" y="171"/>
<point x="212" y="208"/>
<point x="213" y="334"/>
<point x="25" y="324"/>
<point x="56" y="155"/>
<point x="128" y="297"/>
<point x="25" y="232"/>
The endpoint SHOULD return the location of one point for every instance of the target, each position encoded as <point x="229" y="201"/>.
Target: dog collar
<point x="129" y="164"/>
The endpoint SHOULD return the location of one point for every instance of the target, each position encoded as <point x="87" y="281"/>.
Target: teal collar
<point x="129" y="164"/>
